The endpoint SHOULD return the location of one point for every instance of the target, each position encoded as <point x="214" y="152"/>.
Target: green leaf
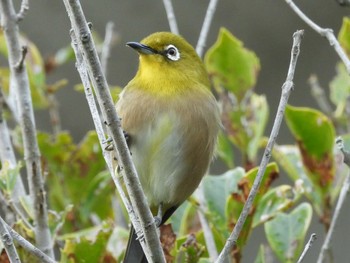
<point x="315" y="136"/>
<point x="88" y="245"/>
<point x="260" y="258"/>
<point x="286" y="232"/>
<point x="275" y="200"/>
<point x="231" y="65"/>
<point x="225" y="150"/>
<point x="289" y="158"/>
<point x="8" y="176"/>
<point x="344" y="35"/>
<point x="340" y="90"/>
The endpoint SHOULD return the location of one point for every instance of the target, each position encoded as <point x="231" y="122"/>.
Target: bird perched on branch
<point x="172" y="122"/>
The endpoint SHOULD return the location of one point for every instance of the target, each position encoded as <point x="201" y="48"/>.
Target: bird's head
<point x="169" y="59"/>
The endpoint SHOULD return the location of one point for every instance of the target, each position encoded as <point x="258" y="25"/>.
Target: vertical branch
<point x="23" y="10"/>
<point x="106" y="47"/>
<point x="26" y="119"/>
<point x="171" y="16"/>
<point x="307" y="247"/>
<point x="8" y="243"/>
<point x="205" y="28"/>
<point x="286" y="91"/>
<point x="133" y="186"/>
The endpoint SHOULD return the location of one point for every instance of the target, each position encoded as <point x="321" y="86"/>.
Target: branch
<point x="171" y="16"/>
<point x="320" y="96"/>
<point x="307" y="247"/>
<point x="286" y="90"/>
<point x="20" y="63"/>
<point x="27" y="246"/>
<point x="324" y="32"/>
<point x="8" y="244"/>
<point x="27" y="123"/>
<point x="133" y="186"/>
<point x="205" y="28"/>
<point x="23" y="10"/>
<point x="106" y="47"/>
<point x="340" y="143"/>
<point x="81" y="67"/>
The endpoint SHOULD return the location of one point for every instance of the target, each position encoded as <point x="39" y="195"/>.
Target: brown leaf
<point x="168" y="239"/>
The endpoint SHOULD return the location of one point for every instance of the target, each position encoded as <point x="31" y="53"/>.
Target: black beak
<point x="141" y="48"/>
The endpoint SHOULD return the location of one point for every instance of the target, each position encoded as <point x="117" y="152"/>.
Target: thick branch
<point x="324" y="32"/>
<point x="27" y="123"/>
<point x="286" y="90"/>
<point x="137" y="197"/>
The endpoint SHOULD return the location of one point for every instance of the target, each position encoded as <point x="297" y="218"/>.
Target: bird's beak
<point x="141" y="48"/>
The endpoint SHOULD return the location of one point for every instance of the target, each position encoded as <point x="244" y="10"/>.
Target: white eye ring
<point x="172" y="53"/>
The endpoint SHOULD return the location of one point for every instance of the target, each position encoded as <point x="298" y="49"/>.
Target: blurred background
<point x="266" y="27"/>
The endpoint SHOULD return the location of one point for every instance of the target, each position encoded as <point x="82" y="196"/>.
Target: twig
<point x="208" y="234"/>
<point x="286" y="90"/>
<point x="319" y="95"/>
<point x="7" y="153"/>
<point x="324" y="32"/>
<point x="205" y="28"/>
<point x="133" y="186"/>
<point x="171" y="16"/>
<point x="106" y="47"/>
<point x="20" y="63"/>
<point x="27" y="246"/>
<point x="307" y="247"/>
<point x="27" y="123"/>
<point x="342" y="196"/>
<point x="23" y="10"/>
<point x="81" y="67"/>
<point x="8" y="243"/>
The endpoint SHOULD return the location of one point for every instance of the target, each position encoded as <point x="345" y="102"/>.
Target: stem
<point x="307" y="247"/>
<point x="324" y="32"/>
<point x="27" y="123"/>
<point x="106" y="47"/>
<point x="205" y="28"/>
<point x="133" y="186"/>
<point x="286" y="90"/>
<point x="8" y="243"/>
<point x="171" y="16"/>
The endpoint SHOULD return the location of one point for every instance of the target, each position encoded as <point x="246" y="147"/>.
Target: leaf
<point x="78" y="245"/>
<point x="225" y="150"/>
<point x="315" y="136"/>
<point x="261" y="258"/>
<point x="289" y="158"/>
<point x="275" y="200"/>
<point x="231" y="65"/>
<point x="286" y="232"/>
<point x="8" y="176"/>
<point x="344" y="35"/>
<point x="340" y="90"/>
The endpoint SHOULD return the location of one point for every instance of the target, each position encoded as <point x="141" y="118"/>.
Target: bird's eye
<point x="172" y="53"/>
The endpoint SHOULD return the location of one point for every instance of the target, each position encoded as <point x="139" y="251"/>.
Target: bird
<point x="171" y="120"/>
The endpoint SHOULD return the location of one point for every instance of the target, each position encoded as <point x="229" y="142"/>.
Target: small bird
<point x="172" y="122"/>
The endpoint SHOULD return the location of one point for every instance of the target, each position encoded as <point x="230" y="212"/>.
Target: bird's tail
<point x="134" y="252"/>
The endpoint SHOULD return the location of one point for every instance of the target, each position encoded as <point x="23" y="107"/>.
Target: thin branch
<point x="106" y="47"/>
<point x="27" y="246"/>
<point x="27" y="122"/>
<point x="20" y="63"/>
<point x="286" y="90"/>
<point x="8" y="243"/>
<point x="23" y="10"/>
<point x="324" y="32"/>
<point x="133" y="186"/>
<point x="346" y="153"/>
<point x="307" y="247"/>
<point x="320" y="96"/>
<point x="171" y="16"/>
<point x="208" y="234"/>
<point x="205" y="28"/>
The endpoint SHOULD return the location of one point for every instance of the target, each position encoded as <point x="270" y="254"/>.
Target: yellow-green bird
<point x="172" y="121"/>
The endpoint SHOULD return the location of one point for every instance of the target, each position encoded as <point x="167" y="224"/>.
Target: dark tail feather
<point x="134" y="252"/>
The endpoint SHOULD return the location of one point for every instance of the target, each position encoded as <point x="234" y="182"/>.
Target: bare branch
<point x="133" y="186"/>
<point x="19" y="64"/>
<point x="171" y="16"/>
<point x="27" y="123"/>
<point x="106" y="47"/>
<point x="307" y="247"/>
<point x="319" y="95"/>
<point x="23" y="10"/>
<point x="286" y="90"/>
<point x="27" y="246"/>
<point x="205" y="28"/>
<point x="8" y="243"/>
<point x="324" y="32"/>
